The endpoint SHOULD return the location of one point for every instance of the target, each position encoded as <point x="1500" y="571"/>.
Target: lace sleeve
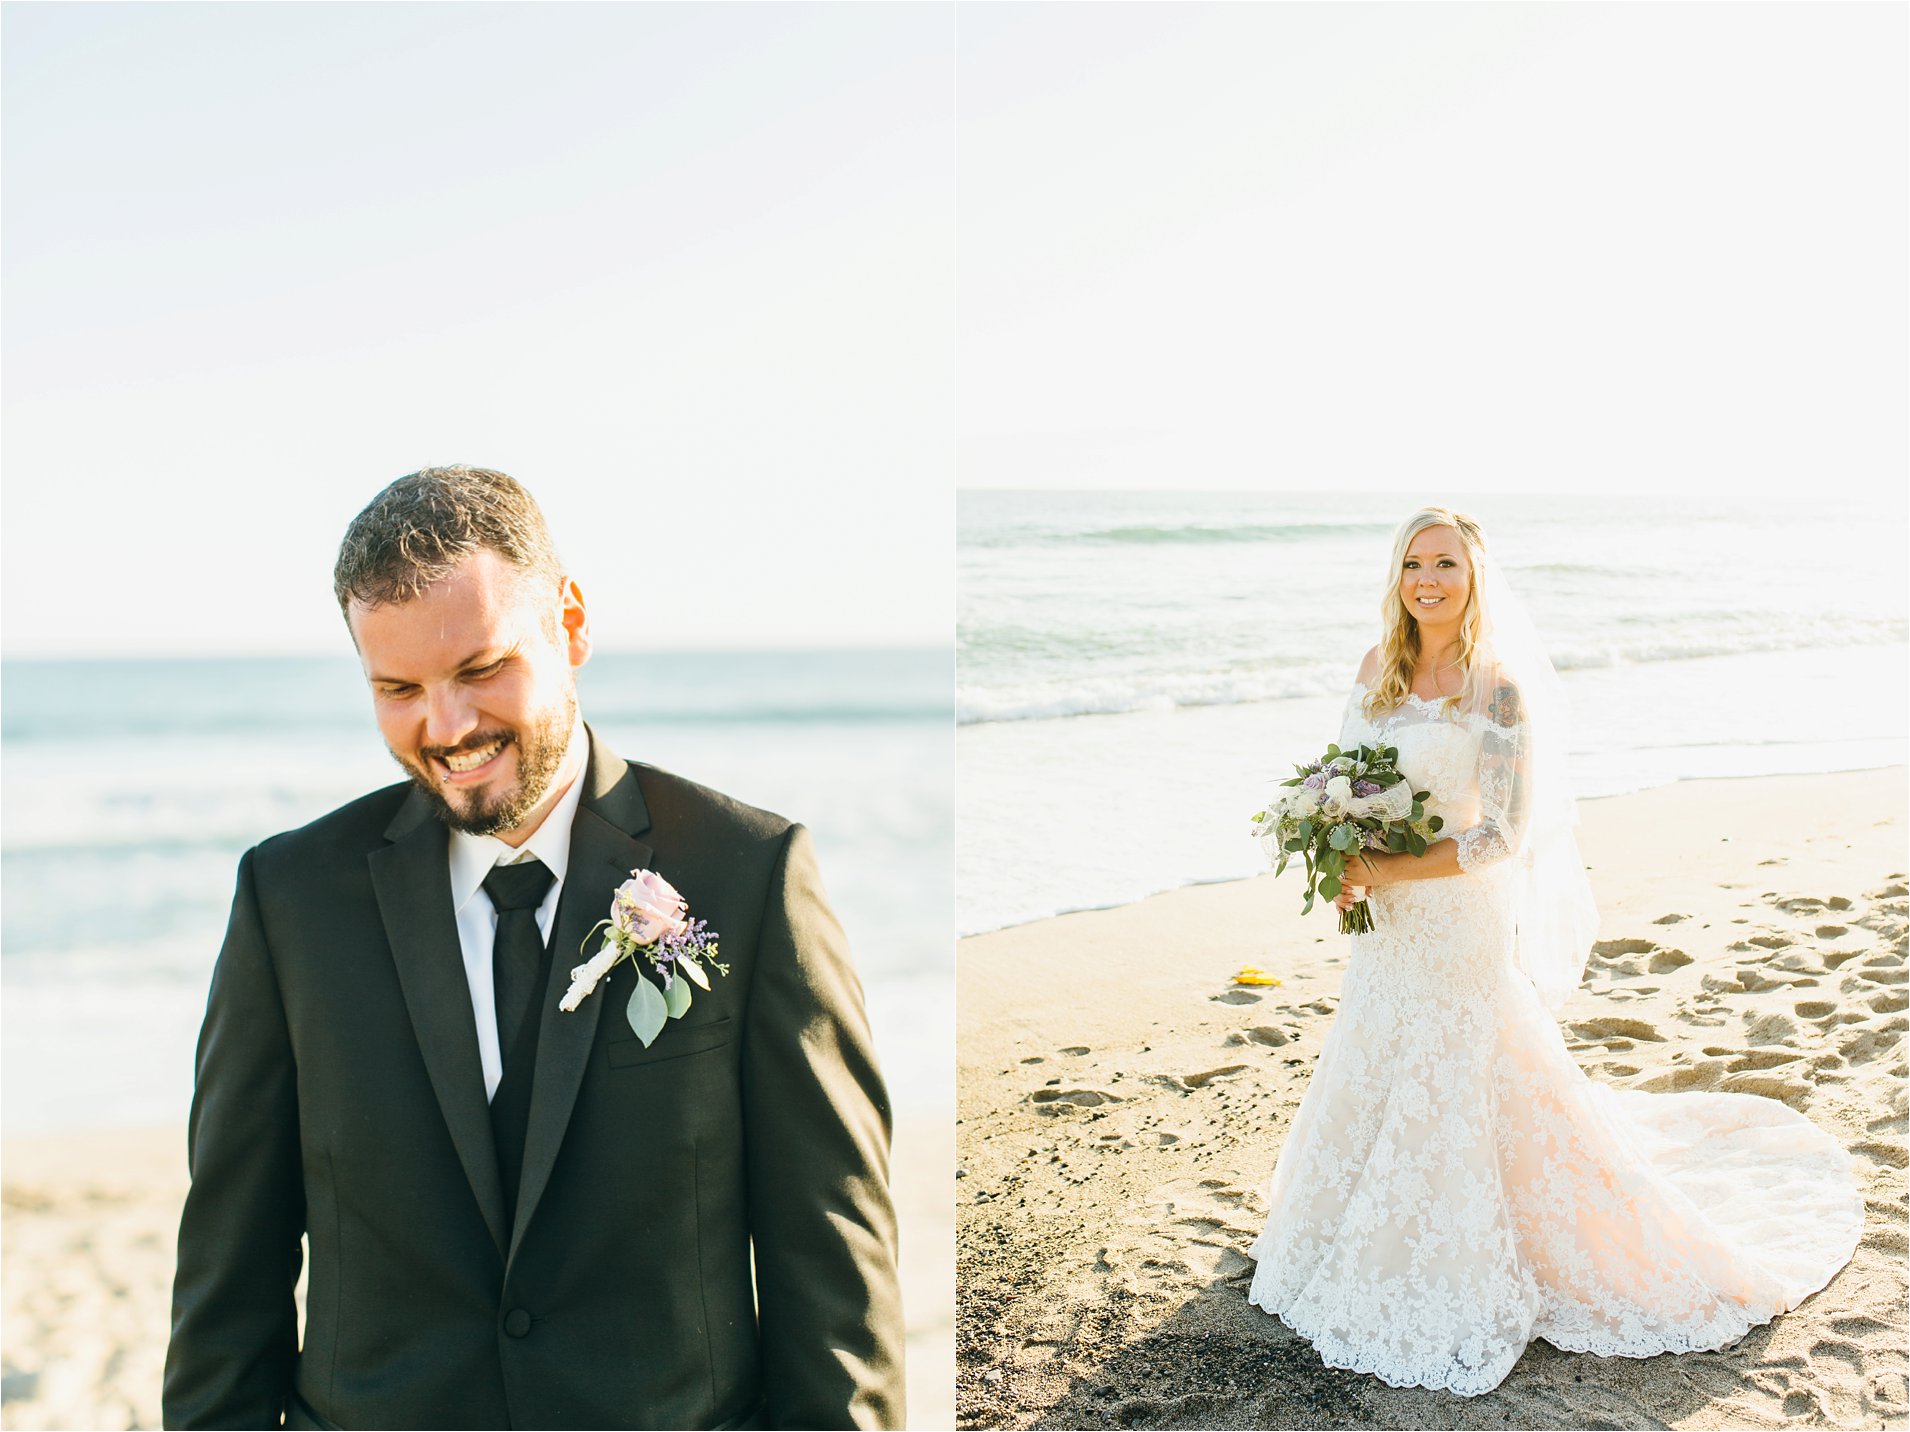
<point x="1503" y="808"/>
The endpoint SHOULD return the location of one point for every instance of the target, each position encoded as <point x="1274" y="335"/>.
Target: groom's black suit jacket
<point x="340" y="1096"/>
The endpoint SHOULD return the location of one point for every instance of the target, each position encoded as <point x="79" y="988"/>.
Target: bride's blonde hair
<point x="1399" y="634"/>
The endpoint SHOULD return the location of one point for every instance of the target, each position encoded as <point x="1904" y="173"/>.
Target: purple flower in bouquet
<point x="1337" y="806"/>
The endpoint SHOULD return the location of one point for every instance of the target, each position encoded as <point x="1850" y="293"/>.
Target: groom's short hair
<point x="422" y="526"/>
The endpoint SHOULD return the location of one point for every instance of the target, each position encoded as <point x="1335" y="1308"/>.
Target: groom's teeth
<point x="471" y="760"/>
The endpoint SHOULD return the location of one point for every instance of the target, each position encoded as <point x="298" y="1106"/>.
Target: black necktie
<point x="517" y="950"/>
<point x="519" y="973"/>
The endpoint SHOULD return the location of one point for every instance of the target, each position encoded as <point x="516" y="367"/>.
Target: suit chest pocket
<point x="673" y="1043"/>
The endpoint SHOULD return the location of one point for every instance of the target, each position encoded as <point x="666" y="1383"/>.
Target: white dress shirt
<point x="472" y="857"/>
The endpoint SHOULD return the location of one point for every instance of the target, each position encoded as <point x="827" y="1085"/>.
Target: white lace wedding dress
<point x="1454" y="1186"/>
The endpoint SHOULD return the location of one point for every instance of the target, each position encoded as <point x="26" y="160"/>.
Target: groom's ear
<point x="575" y="622"/>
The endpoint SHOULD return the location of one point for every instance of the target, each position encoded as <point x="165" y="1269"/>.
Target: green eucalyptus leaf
<point x="1435" y="824"/>
<point x="1331" y="862"/>
<point x="690" y="967"/>
<point x="646" y="1011"/>
<point x="1329" y="887"/>
<point x="676" y="999"/>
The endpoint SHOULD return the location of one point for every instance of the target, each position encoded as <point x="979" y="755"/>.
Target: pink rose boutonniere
<point x="649" y="918"/>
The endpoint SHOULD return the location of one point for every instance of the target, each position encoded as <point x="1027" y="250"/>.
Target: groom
<point x="517" y="1215"/>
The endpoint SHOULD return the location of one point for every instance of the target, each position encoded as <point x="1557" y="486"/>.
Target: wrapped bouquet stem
<point x="1345" y="802"/>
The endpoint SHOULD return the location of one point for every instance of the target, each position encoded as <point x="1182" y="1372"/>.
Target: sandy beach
<point x="1122" y="1103"/>
<point x="90" y="1224"/>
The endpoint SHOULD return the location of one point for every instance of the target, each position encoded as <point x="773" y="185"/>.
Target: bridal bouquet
<point x="1342" y="803"/>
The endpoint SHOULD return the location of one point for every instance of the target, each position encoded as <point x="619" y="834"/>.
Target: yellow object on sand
<point x="1255" y="976"/>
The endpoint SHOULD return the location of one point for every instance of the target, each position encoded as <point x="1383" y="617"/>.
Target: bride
<point x="1453" y="1185"/>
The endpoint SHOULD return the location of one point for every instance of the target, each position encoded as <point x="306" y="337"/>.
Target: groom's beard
<point x="540" y="755"/>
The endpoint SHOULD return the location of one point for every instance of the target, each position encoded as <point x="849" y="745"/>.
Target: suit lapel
<point x="603" y="852"/>
<point x="412" y="879"/>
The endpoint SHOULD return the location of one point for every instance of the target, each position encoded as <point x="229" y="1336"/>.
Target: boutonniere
<point x="649" y="918"/>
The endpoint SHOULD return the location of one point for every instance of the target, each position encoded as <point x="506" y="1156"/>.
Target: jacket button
<point x="517" y="1322"/>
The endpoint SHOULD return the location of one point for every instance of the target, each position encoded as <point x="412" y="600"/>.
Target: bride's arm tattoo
<point x="1505" y="710"/>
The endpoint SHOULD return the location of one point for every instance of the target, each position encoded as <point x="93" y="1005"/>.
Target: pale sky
<point x="1358" y="247"/>
<point x="686" y="271"/>
<point x="692" y="273"/>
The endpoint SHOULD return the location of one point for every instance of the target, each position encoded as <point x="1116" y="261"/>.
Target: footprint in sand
<point x="1891" y="1155"/>
<point x="1898" y="1117"/>
<point x="1260" y="1034"/>
<point x="1814" y="1008"/>
<point x="1762" y="1059"/>
<point x="1671" y="919"/>
<point x="1752" y="981"/>
<point x="1888" y="1001"/>
<point x="1235" y="996"/>
<point x="1769" y="1029"/>
<point x="1882" y="975"/>
<point x="1077" y="1050"/>
<point x="1612" y="1027"/>
<point x="1610" y="956"/>
<point x="1207" y="1076"/>
<point x="1794" y="1092"/>
<point x="1665" y="961"/>
<point x="1685" y="1078"/>
<point x="1626" y="946"/>
<point x="1185" y="1233"/>
<point x="1857" y="1327"/>
<point x="1798" y="960"/>
<point x="1863" y="1047"/>
<point x="1709" y="1018"/>
<point x="1194" y="1200"/>
<point x="1830" y="932"/>
<point x="1051" y="1101"/>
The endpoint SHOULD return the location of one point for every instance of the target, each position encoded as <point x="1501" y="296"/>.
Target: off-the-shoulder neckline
<point x="1438" y="704"/>
<point x="1413" y="696"/>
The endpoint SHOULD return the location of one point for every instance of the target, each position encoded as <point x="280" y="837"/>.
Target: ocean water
<point x="1135" y="669"/>
<point x="131" y="788"/>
